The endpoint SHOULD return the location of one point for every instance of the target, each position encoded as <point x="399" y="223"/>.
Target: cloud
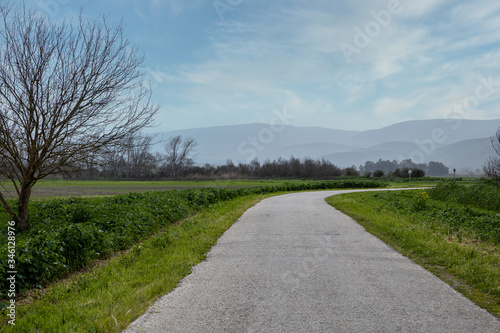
<point x="177" y="7"/>
<point x="258" y="58"/>
<point x="416" y="9"/>
<point x="387" y="106"/>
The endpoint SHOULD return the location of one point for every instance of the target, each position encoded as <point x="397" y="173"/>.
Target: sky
<point x="353" y="65"/>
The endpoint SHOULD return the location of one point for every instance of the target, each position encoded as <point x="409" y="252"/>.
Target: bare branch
<point x="67" y="91"/>
<point x="495" y="142"/>
<point x="178" y="154"/>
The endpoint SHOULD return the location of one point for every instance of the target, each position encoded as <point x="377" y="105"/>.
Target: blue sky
<point x="342" y="64"/>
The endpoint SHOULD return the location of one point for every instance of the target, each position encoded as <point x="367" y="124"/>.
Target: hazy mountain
<point x="314" y="150"/>
<point x="466" y="154"/>
<point x="242" y="143"/>
<point x="459" y="144"/>
<point x="453" y="130"/>
<point x="385" y="151"/>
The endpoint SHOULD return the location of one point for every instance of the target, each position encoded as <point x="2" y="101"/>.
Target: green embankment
<point x="459" y="243"/>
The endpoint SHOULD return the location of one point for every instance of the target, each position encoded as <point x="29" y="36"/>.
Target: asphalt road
<point x="292" y="263"/>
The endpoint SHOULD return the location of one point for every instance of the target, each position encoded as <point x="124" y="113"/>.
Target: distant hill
<point x="460" y="144"/>
<point x="466" y="154"/>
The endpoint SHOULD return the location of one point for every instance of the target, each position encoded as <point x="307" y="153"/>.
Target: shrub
<point x="403" y="173"/>
<point x="448" y="218"/>
<point x="420" y="201"/>
<point x="483" y="194"/>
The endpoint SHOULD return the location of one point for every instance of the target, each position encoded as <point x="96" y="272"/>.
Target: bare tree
<point x="140" y="161"/>
<point x="492" y="169"/>
<point x="67" y="91"/>
<point x="495" y="142"/>
<point x="179" y="154"/>
<point x="492" y="166"/>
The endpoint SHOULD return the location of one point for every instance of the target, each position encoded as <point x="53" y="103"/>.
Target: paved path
<point x="292" y="263"/>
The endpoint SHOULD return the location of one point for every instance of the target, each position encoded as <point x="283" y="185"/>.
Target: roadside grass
<point x="460" y="254"/>
<point x="483" y="194"/>
<point x="108" y="298"/>
<point x="424" y="181"/>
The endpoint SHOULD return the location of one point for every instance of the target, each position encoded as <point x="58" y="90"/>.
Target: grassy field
<point x="51" y="188"/>
<point x="112" y="293"/>
<point x="459" y="244"/>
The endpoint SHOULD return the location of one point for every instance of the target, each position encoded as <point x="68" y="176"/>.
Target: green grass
<point x="452" y="248"/>
<point x="108" y="298"/>
<point x="480" y="194"/>
<point x="422" y="182"/>
<point x="57" y="188"/>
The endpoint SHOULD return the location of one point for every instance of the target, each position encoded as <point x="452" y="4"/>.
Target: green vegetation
<point x="68" y="234"/>
<point x="415" y="182"/>
<point x="108" y="298"/>
<point x="482" y="194"/>
<point x="57" y="188"/>
<point x="458" y="243"/>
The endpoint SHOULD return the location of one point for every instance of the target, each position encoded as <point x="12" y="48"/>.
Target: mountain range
<point x="458" y="143"/>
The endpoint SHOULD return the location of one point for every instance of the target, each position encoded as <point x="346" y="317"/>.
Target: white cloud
<point x="386" y="106"/>
<point x="420" y="8"/>
<point x="425" y="59"/>
<point x="476" y="12"/>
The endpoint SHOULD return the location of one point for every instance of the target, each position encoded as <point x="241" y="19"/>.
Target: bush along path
<point x="68" y="234"/>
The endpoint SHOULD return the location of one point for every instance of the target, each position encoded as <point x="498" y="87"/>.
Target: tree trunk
<point x="22" y="206"/>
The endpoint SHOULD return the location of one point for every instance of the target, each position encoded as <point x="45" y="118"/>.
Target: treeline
<point x="157" y="167"/>
<point x="306" y="168"/>
<point x="134" y="160"/>
<point x="317" y="169"/>
<point x="400" y="169"/>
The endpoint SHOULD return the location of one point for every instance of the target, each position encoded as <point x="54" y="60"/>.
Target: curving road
<point x="292" y="263"/>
